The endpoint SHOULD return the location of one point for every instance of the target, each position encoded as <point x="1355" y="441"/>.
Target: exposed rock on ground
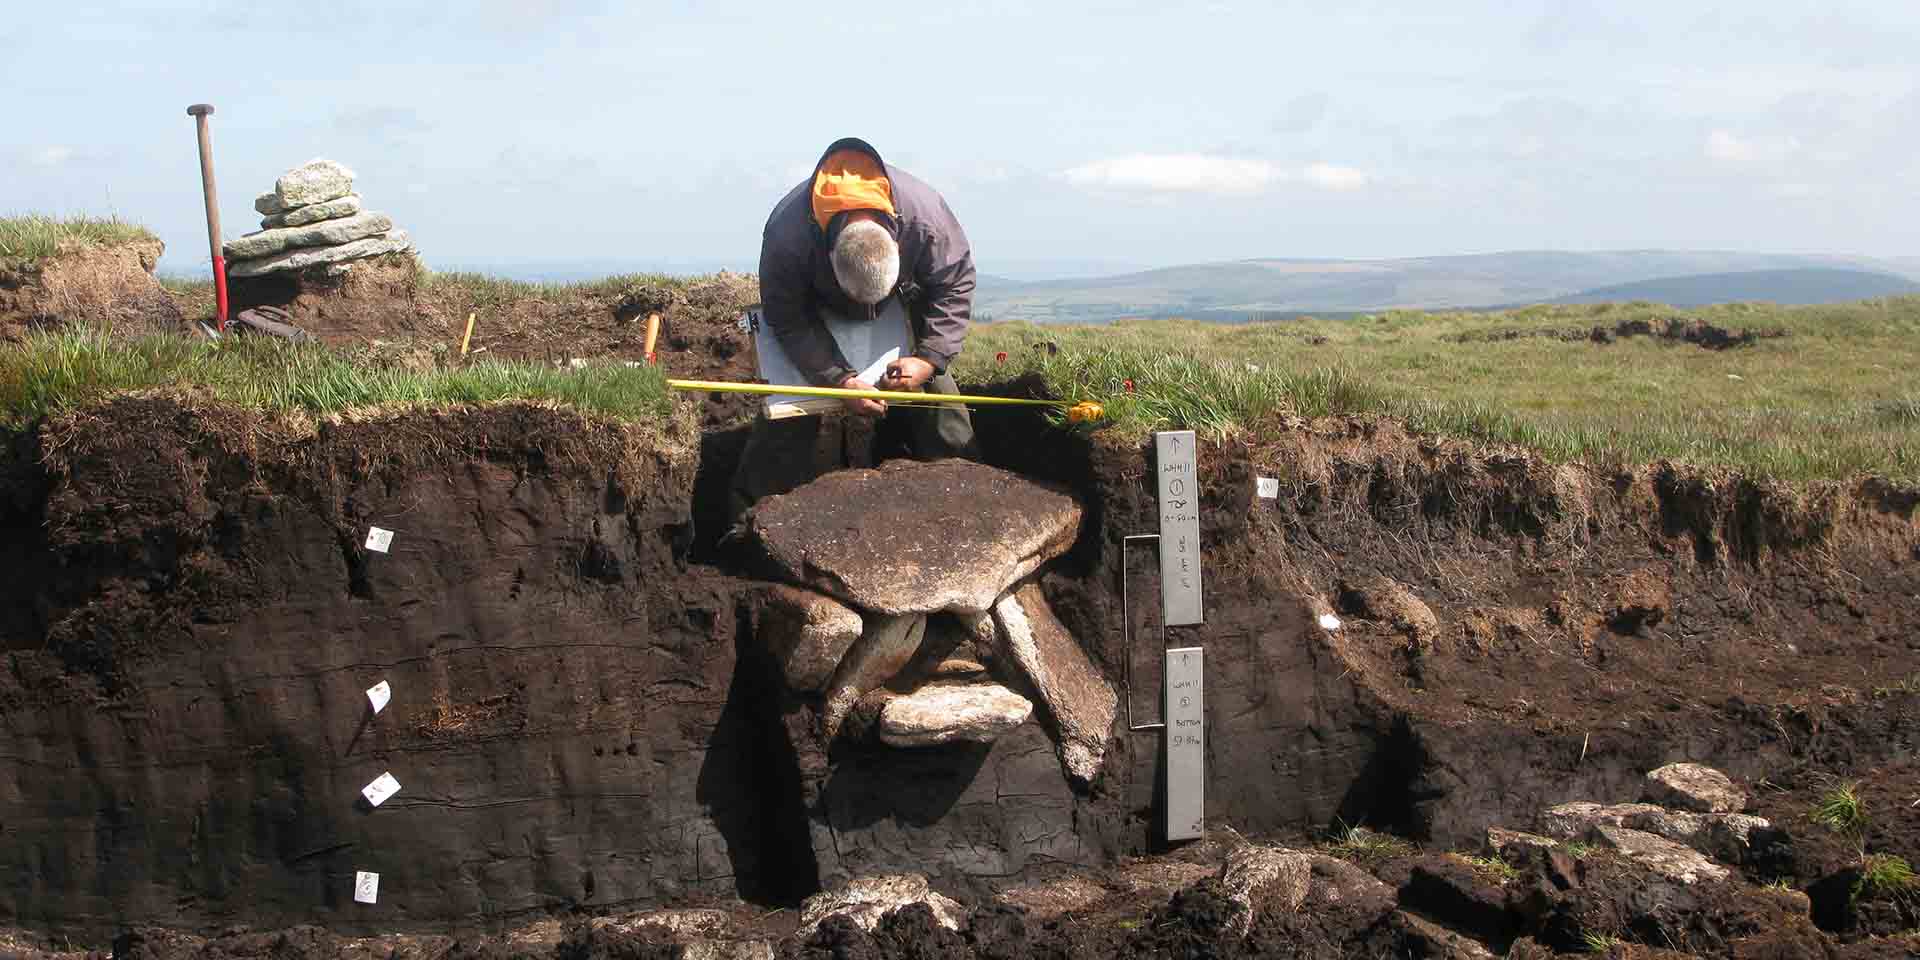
<point x="1663" y="856"/>
<point x="1721" y="835"/>
<point x="1691" y="786"/>
<point x="866" y="900"/>
<point x="915" y="538"/>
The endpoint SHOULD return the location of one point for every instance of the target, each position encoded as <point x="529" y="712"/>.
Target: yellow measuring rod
<point x="1081" y="412"/>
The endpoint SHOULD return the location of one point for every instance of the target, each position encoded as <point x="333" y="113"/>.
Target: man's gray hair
<point x="866" y="261"/>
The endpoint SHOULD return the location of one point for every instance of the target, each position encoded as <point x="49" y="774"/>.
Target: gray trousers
<point x="786" y="453"/>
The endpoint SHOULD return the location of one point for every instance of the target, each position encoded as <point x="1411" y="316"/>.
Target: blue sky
<point x="1067" y="136"/>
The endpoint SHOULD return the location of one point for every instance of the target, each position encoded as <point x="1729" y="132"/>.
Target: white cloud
<point x="1176" y="172"/>
<point x="1206" y="173"/>
<point x="51" y="156"/>
<point x="1727" y="148"/>
<point x="1335" y="177"/>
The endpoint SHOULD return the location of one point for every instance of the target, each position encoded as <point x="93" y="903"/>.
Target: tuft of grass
<point x="1886" y="875"/>
<point x="30" y="238"/>
<point x="1599" y="942"/>
<point x="1841" y="810"/>
<point x="1490" y="869"/>
<point x="49" y="372"/>
<point x="1367" y="846"/>
<point x="1905" y="685"/>
<point x="1836" y="398"/>
<point x="1577" y="849"/>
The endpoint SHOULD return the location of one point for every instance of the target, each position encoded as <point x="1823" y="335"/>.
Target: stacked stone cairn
<point x="313" y="220"/>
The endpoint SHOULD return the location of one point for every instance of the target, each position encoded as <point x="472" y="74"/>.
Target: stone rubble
<point x="865" y="900"/>
<point x="313" y="219"/>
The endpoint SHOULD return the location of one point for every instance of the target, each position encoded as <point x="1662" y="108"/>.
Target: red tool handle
<point x="199" y="112"/>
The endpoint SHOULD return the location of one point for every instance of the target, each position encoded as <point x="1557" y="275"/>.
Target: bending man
<point x="860" y="241"/>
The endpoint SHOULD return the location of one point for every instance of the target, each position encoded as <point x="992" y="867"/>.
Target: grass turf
<point x="30" y="238"/>
<point x="1838" y="396"/>
<point x="49" y="372"/>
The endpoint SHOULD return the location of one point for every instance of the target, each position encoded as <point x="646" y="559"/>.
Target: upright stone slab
<point x="807" y="634"/>
<point x="1080" y="703"/>
<point x="914" y="537"/>
<point x="887" y="645"/>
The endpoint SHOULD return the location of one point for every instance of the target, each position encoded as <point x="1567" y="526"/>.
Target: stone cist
<point x="861" y="239"/>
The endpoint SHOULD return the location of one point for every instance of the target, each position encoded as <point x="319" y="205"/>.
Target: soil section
<point x="184" y="697"/>
<point x="107" y="287"/>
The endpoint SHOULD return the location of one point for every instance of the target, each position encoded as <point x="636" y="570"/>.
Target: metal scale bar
<point x="1182" y="704"/>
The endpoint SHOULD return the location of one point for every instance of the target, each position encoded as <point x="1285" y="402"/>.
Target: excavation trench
<point x="584" y="719"/>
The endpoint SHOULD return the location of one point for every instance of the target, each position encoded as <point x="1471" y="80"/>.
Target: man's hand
<point x="906" y="373"/>
<point x="860" y="406"/>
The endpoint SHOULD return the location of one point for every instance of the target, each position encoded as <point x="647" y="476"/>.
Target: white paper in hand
<point x="366" y="887"/>
<point x="378" y="540"/>
<point x="1329" y="622"/>
<point x="382" y="787"/>
<point x="878" y="370"/>
<point x="378" y="695"/>
<point x="1268" y="487"/>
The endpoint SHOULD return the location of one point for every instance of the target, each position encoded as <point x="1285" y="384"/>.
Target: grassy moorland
<point x="1837" y="396"/>
<point x="49" y="372"/>
<point x="32" y="237"/>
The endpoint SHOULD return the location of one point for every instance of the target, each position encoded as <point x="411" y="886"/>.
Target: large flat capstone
<point x="914" y="537"/>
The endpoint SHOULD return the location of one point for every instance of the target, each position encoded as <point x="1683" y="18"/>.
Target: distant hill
<point x="1243" y="289"/>
<point x="1773" y="286"/>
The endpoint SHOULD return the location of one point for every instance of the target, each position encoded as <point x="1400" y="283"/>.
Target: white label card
<point x="379" y="539"/>
<point x="366" y="887"/>
<point x="382" y="787"/>
<point x="378" y="695"/>
<point x="1268" y="487"/>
